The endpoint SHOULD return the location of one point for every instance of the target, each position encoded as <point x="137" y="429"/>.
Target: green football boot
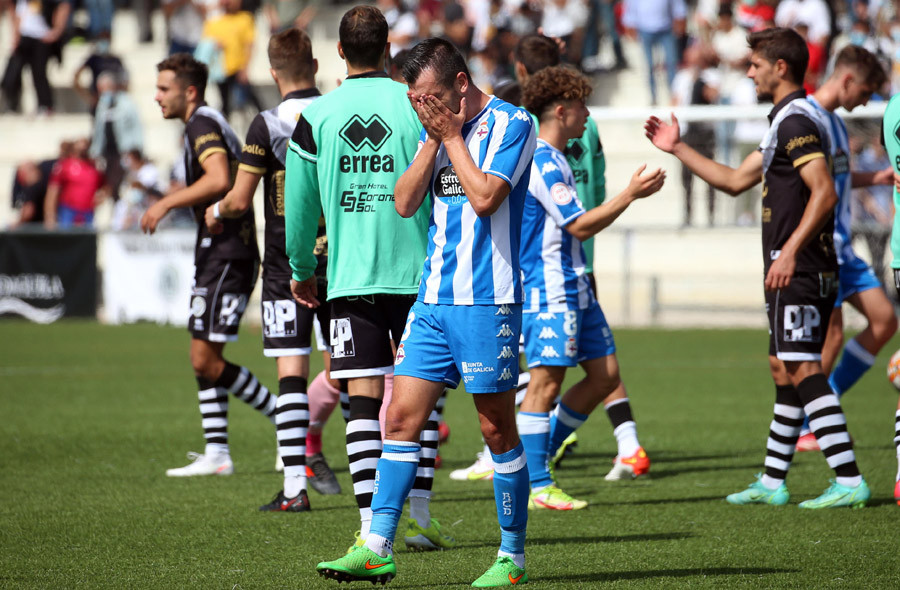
<point x="360" y="564"/>
<point x="504" y="572"/>
<point x="430" y="539"/>
<point x="757" y="493"/>
<point x="837" y="495"/>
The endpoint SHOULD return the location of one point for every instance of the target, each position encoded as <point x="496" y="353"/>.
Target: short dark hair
<point x="363" y="34"/>
<point x="290" y="54"/>
<point x="863" y="63"/>
<point x="553" y="85"/>
<point x="438" y="55"/>
<point x="188" y="71"/>
<point x="537" y="52"/>
<point x="785" y="44"/>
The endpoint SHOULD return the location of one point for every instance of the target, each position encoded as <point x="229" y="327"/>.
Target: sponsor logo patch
<point x="372" y="132"/>
<point x="561" y="193"/>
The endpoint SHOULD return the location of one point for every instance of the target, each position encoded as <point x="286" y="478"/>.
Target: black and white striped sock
<point x="214" y="415"/>
<point x="783" y="434"/>
<point x="291" y="425"/>
<point x="897" y="441"/>
<point x="827" y="422"/>
<point x="363" y="452"/>
<point x="420" y="494"/>
<point x="624" y="427"/>
<point x="242" y="383"/>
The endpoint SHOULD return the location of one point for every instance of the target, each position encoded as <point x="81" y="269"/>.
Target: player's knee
<point x="884" y="328"/>
<point x="205" y="364"/>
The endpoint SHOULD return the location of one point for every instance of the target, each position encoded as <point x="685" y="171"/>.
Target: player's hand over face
<point x="663" y="135"/>
<point x="305" y="292"/>
<point x="644" y="185"/>
<point x="214" y="225"/>
<point x="780" y="273"/>
<point x="153" y="216"/>
<point x="439" y="121"/>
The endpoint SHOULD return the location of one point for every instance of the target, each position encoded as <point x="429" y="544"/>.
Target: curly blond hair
<point x="552" y="85"/>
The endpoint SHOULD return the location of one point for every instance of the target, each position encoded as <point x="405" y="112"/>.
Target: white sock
<point x="418" y="509"/>
<point x="626" y="438"/>
<point x="365" y="521"/>
<point x="383" y="547"/>
<point x="293" y="486"/>
<point x="770" y="482"/>
<point x="850" y="482"/>
<point x="213" y="449"/>
<point x="518" y="558"/>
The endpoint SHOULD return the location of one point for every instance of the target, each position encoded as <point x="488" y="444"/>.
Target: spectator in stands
<point x="657" y="23"/>
<point x="100" y="15"/>
<point x="697" y="84"/>
<point x="873" y="206"/>
<point x="184" y="19"/>
<point x="117" y="129"/>
<point x="141" y="188"/>
<point x="601" y="21"/>
<point x="403" y="26"/>
<point x="813" y="13"/>
<point x="234" y="33"/>
<point x="99" y="61"/>
<point x="284" y="14"/>
<point x="815" y="68"/>
<point x="38" y="35"/>
<point x="566" y="20"/>
<point x="73" y="190"/>
<point x="456" y="29"/>
<point x="29" y="188"/>
<point x="755" y="15"/>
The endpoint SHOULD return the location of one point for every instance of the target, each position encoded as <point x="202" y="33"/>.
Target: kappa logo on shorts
<point x="549" y="352"/>
<point x="358" y="133"/>
<point x="547" y="333"/>
<point x="506" y="353"/>
<point x="279" y="318"/>
<point x="505" y="331"/>
<point x="503" y="310"/>
<point x="341" y="338"/>
<point x="802" y="323"/>
<point x="546" y="316"/>
<point x="571" y="348"/>
<point x="505" y="375"/>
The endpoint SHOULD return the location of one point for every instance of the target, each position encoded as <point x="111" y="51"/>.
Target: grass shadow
<point x="667" y="573"/>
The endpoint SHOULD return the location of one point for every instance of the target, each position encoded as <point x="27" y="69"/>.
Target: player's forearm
<point x="859" y="179"/>
<point x="599" y="218"/>
<point x="820" y="206"/>
<point x="718" y="175"/>
<point x="240" y="197"/>
<point x="484" y="196"/>
<point x="412" y="186"/>
<point x="206" y="189"/>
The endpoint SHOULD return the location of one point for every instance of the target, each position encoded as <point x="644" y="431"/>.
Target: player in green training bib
<point x="891" y="128"/>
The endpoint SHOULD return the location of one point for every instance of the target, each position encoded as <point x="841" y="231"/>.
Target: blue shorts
<point x="855" y="276"/>
<point x="476" y="343"/>
<point x="567" y="338"/>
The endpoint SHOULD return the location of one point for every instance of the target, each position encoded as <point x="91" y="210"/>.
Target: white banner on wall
<point x="148" y="277"/>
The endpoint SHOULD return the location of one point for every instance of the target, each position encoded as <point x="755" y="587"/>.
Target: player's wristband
<point x="216" y="213"/>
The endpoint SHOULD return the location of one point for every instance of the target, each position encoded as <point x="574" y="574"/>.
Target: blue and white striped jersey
<point x="840" y="161"/>
<point x="474" y="260"/>
<point x="553" y="260"/>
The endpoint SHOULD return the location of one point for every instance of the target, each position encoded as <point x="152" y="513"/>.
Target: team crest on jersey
<point x="482" y="130"/>
<point x="401" y="354"/>
<point x="373" y="131"/>
<point x="447" y="183"/>
<point x="561" y="193"/>
<point x="549" y="167"/>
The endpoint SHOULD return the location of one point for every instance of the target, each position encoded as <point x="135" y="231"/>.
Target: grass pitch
<point x="93" y="415"/>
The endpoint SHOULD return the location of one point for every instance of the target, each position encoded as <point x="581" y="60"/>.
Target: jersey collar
<point x="305" y="93"/>
<point x="372" y="74"/>
<point x="784" y="101"/>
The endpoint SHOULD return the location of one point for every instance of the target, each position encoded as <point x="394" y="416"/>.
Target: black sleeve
<point x="799" y="137"/>
<point x="257" y="151"/>
<point x="303" y="136"/>
<point x="205" y="137"/>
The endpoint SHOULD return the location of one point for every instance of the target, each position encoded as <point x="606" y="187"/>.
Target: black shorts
<point x="287" y="326"/>
<point x="897" y="279"/>
<point x="799" y="315"/>
<point x="219" y="297"/>
<point x="361" y="331"/>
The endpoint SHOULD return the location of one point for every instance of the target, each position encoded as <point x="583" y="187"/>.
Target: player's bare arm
<point x="485" y="192"/>
<point x="860" y="179"/>
<point x="215" y="181"/>
<point x="237" y="202"/>
<point x="822" y="199"/>
<point x="599" y="218"/>
<point x="412" y="186"/>
<point x="734" y="181"/>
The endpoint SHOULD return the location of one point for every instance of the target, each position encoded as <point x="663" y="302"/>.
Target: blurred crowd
<point x="695" y="54"/>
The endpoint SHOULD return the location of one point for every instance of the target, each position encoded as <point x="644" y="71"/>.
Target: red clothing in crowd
<point x="78" y="181"/>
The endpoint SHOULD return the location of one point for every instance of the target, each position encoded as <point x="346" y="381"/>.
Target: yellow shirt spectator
<point x="234" y="33"/>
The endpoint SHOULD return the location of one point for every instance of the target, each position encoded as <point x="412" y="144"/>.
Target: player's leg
<point x="783" y="432"/>
<point x="860" y="351"/>
<point x="897" y="445"/>
<point x="324" y="394"/>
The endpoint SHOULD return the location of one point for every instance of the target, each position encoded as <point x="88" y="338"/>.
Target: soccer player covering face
<point x="799" y="261"/>
<point x="857" y="75"/>
<point x="346" y="153"/>
<point x="891" y="138"/>
<point x="562" y="322"/>
<point x="474" y="160"/>
<point x="287" y="325"/>
<point x="226" y="262"/>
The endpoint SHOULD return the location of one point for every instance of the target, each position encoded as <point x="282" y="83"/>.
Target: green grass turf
<point x="93" y="415"/>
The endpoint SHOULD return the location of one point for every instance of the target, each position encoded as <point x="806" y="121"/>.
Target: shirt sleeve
<point x="800" y="139"/>
<point x="511" y="146"/>
<point x="555" y="195"/>
<point x="257" y="150"/>
<point x="205" y="138"/>
<point x="302" y="204"/>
